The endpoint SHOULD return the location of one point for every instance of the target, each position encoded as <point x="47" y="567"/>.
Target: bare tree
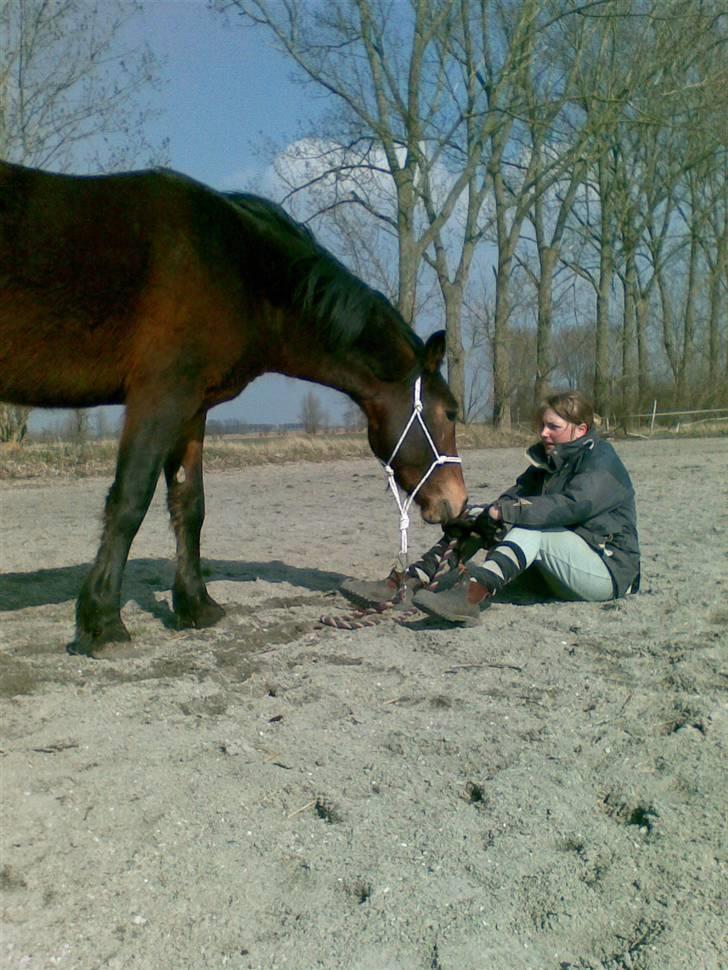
<point x="404" y="142"/>
<point x="455" y="123"/>
<point x="354" y="418"/>
<point x="658" y="68"/>
<point x="13" y="422"/>
<point x="424" y="96"/>
<point x="313" y="416"/>
<point x="69" y="90"/>
<point x="385" y="97"/>
<point x="616" y="115"/>
<point x="715" y="246"/>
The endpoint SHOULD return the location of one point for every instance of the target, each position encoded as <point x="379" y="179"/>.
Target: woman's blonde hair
<point x="571" y="406"/>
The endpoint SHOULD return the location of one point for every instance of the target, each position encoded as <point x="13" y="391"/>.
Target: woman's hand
<point x="495" y="513"/>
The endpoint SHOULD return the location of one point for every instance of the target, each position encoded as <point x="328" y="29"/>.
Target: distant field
<point x="94" y="458"/>
<point x="60" y="459"/>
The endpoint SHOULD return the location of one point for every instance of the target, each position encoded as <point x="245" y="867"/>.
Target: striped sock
<point x="432" y="561"/>
<point x="502" y="564"/>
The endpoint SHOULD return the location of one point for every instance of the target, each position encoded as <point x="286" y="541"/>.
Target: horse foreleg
<point x="186" y="501"/>
<point x="145" y="442"/>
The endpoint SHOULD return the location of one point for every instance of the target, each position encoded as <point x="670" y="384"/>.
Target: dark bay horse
<point x="151" y="290"/>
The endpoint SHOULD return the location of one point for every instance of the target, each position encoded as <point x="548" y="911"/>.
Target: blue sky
<point x="225" y="90"/>
<point x="225" y="93"/>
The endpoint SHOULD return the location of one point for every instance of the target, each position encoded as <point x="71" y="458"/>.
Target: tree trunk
<point x="643" y="356"/>
<point x="13" y="422"/>
<point x="501" y="357"/>
<point x="688" y="335"/>
<point x="602" y="400"/>
<point x="716" y="313"/>
<point x="668" y="330"/>
<point x="408" y="253"/>
<point x="453" y="297"/>
<point x="628" y="383"/>
<point x="548" y="256"/>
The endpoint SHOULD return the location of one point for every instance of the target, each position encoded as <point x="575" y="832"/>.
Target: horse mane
<point x="341" y="305"/>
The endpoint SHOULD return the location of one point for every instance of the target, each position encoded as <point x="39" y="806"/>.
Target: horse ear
<point x="434" y="352"/>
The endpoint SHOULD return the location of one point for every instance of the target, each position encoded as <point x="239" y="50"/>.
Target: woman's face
<point x="557" y="431"/>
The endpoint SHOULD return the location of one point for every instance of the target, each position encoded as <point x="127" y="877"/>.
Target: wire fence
<point x="702" y="416"/>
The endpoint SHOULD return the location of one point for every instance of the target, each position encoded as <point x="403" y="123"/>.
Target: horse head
<point x="412" y="430"/>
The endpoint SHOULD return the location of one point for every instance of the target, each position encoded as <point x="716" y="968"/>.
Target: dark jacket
<point x="582" y="486"/>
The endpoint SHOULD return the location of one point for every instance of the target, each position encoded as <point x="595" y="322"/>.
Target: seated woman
<point x="571" y="515"/>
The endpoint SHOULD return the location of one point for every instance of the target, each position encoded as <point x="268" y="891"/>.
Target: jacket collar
<point x="562" y="454"/>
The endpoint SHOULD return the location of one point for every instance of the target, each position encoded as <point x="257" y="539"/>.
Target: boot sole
<point x="451" y="618"/>
<point x="440" y="612"/>
<point x="367" y="604"/>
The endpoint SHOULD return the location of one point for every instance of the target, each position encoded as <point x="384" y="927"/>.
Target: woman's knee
<point x="577" y="573"/>
<point x="528" y="541"/>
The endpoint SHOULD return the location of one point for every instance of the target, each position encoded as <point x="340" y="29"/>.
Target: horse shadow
<point x="143" y="578"/>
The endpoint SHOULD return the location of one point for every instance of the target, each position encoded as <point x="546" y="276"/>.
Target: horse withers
<point x="151" y="290"/>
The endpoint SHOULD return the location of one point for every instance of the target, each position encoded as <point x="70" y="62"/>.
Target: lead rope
<point x="359" y="619"/>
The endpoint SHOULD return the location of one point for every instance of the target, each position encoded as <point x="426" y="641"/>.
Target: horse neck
<point x="349" y="376"/>
<point x="379" y="357"/>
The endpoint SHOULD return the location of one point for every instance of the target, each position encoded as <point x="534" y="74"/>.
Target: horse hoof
<point x="199" y="615"/>
<point x="90" y="645"/>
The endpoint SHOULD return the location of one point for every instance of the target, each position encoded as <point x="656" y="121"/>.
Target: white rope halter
<point x="404" y="506"/>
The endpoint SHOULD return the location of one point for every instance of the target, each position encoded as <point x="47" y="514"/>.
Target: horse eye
<point x="452" y="414"/>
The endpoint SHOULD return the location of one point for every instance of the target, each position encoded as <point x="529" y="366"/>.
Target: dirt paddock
<point x="544" y="791"/>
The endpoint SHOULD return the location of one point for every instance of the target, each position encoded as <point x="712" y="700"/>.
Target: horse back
<point x="104" y="279"/>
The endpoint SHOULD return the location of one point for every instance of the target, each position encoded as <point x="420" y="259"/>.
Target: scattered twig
<point x="456" y="667"/>
<point x="55" y="748"/>
<point x="303" y="808"/>
<point x="272" y="759"/>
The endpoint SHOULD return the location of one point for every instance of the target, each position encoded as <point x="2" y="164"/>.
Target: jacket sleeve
<point x="595" y="487"/>
<point x="529" y="483"/>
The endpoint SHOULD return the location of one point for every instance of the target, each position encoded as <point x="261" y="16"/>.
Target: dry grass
<point x="485" y="436"/>
<point x="238" y="452"/>
<point x="687" y="429"/>
<point x="61" y="460"/>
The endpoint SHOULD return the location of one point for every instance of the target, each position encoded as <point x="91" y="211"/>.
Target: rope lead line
<point x="404" y="506"/>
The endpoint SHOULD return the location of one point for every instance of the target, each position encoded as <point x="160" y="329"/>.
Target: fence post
<point x="654" y="412"/>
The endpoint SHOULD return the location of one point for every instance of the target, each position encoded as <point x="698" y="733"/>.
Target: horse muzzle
<point x="446" y="497"/>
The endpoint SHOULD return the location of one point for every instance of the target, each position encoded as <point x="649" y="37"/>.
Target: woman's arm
<point x="601" y="483"/>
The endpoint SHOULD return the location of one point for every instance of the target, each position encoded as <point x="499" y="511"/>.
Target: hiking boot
<point x="461" y="600"/>
<point x="380" y="593"/>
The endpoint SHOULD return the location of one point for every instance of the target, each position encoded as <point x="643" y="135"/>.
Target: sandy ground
<point x="546" y="790"/>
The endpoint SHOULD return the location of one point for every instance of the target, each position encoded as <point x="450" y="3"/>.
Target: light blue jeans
<point x="571" y="568"/>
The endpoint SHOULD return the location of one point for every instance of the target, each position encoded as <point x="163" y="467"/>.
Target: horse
<point x="152" y="290"/>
